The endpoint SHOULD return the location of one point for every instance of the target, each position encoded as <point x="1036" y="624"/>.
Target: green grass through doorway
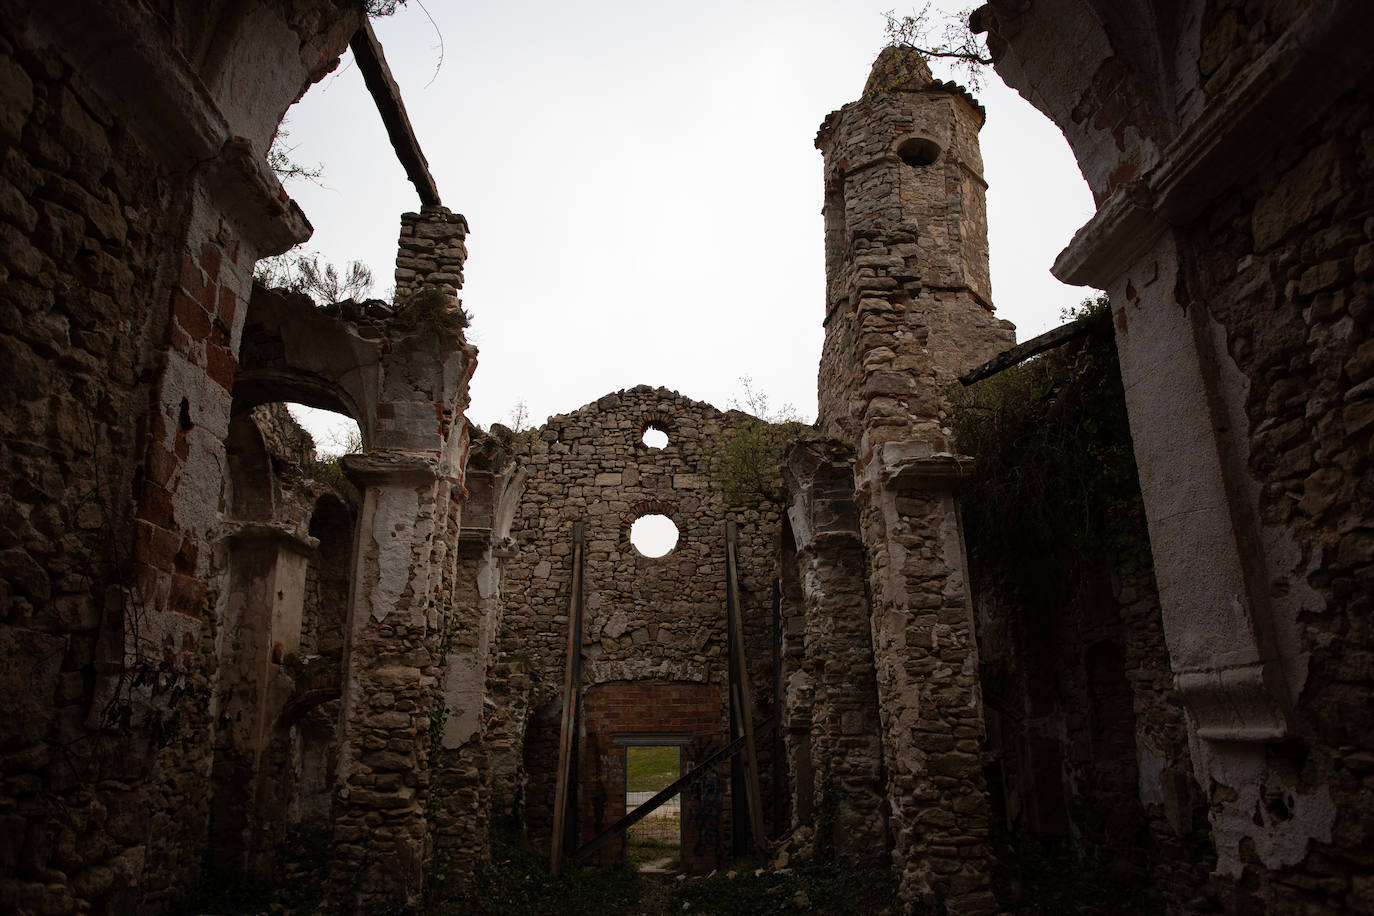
<point x="649" y="769"/>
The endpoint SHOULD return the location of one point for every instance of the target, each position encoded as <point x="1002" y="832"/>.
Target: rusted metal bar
<point x="567" y="737"/>
<point x="367" y="51"/>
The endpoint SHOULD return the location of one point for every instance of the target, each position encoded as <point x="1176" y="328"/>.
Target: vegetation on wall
<point x="956" y="41"/>
<point x="1055" y="485"/>
<point x="300" y="271"/>
<point x="746" y="461"/>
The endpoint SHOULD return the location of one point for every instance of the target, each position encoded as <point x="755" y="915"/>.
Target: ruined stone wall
<point x="123" y="276"/>
<point x="659" y="619"/>
<point x="1233" y="233"/>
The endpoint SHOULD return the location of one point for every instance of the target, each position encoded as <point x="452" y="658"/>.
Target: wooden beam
<point x="744" y="705"/>
<point x="1024" y="351"/>
<point x="571" y="681"/>
<point x="367" y="51"/>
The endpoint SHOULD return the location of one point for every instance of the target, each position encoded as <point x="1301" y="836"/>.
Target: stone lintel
<point x="284" y="535"/>
<point x="1225" y="144"/>
<point x="380" y="468"/>
<point x="367" y="52"/>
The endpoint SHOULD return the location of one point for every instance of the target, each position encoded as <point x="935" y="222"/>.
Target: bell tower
<point x="908" y="291"/>
<point x="908" y="310"/>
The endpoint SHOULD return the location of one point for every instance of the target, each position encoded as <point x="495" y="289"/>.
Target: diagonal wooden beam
<point x="367" y="51"/>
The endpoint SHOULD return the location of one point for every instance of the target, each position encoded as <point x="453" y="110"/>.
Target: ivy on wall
<point x="1054" y="487"/>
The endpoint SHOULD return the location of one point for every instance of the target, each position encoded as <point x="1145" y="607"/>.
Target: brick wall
<point x="692" y="713"/>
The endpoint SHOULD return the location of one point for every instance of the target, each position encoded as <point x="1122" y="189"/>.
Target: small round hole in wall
<point x="918" y="151"/>
<point x="654" y="437"/>
<point x="653" y="535"/>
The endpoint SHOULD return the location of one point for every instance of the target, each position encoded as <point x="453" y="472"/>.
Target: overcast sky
<point x="643" y="188"/>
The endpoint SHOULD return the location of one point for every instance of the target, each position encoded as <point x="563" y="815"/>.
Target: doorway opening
<point x="655" y="843"/>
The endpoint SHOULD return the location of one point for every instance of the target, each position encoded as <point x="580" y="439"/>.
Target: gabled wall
<point x="647" y="620"/>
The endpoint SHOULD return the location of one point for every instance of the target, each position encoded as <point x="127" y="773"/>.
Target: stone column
<point x="927" y="672"/>
<point x="262" y="626"/>
<point x="842" y="702"/>
<point x="461" y="764"/>
<point x="430" y="252"/>
<point x="388" y="691"/>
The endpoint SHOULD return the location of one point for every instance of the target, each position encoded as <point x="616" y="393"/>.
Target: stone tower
<point x="908" y="309"/>
<point x="908" y="294"/>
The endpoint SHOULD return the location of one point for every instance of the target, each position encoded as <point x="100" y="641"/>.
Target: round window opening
<point x="653" y="535"/>
<point x="654" y="437"/>
<point x="918" y="151"/>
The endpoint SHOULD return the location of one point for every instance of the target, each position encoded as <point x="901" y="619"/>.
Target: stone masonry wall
<point x="657" y="619"/>
<point x="1284" y="265"/>
<point x="83" y="245"/>
<point x="432" y="252"/>
<point x="1233" y="235"/>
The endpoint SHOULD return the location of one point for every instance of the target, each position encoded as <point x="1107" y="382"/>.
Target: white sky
<point x="643" y="189"/>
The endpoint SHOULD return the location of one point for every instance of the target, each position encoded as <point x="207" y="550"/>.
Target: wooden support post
<point x="567" y="737"/>
<point x="779" y="703"/>
<point x="743" y="703"/>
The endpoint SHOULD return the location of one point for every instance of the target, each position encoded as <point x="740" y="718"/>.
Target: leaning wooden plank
<point x="367" y="51"/>
<point x="752" y="793"/>
<point x="570" y="686"/>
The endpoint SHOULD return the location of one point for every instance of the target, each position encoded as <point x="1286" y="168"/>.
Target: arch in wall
<point x="292" y="352"/>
